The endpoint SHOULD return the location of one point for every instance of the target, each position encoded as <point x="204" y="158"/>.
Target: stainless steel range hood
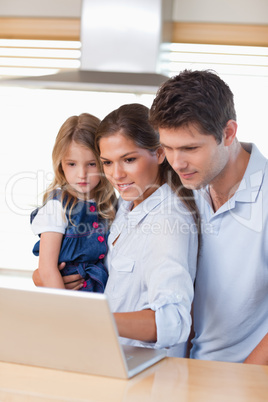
<point x="121" y="42"/>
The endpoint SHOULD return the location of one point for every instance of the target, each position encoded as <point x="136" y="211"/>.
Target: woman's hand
<point x="72" y="282"/>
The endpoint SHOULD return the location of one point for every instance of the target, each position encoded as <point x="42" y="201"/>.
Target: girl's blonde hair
<point x="81" y="129"/>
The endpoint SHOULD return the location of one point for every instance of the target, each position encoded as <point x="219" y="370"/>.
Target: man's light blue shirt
<point x="231" y="294"/>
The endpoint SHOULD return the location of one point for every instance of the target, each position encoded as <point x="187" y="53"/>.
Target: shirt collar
<point x="135" y="216"/>
<point x="250" y="185"/>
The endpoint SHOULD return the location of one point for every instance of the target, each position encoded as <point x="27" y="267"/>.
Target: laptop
<point x="67" y="330"/>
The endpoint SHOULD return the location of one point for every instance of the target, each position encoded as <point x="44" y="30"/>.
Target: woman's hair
<point x="82" y="130"/>
<point x="132" y="121"/>
<point x="194" y="97"/>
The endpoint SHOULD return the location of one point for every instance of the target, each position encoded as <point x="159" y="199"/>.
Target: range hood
<point x="121" y="42"/>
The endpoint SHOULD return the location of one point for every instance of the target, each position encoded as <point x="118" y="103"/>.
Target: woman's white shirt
<point x="152" y="265"/>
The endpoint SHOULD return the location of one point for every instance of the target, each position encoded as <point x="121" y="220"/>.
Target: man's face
<point x="197" y="158"/>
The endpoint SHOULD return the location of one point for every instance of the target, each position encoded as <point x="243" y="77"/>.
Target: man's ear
<point x="160" y="153"/>
<point x="229" y="132"/>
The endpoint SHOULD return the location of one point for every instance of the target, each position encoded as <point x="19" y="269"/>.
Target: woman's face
<point x="132" y="170"/>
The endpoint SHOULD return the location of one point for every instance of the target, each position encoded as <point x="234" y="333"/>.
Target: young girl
<point x="78" y="207"/>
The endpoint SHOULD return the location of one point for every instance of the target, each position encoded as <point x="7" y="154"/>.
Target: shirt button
<point x="92" y="208"/>
<point x="101" y="256"/>
<point x="101" y="239"/>
<point x="95" y="225"/>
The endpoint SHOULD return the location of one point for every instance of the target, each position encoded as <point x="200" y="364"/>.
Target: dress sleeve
<point x="172" y="254"/>
<point x="50" y="218"/>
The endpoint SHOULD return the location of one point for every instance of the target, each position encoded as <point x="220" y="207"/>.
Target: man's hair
<point x="201" y="98"/>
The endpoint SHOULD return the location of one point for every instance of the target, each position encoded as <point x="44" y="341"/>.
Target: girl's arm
<point x="137" y="325"/>
<point x="50" y="244"/>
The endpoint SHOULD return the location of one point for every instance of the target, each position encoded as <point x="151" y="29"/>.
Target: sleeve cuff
<point x="173" y="321"/>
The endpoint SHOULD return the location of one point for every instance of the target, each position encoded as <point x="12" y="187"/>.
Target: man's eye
<point x="165" y="147"/>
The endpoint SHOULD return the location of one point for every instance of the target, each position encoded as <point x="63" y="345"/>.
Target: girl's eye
<point x="92" y="164"/>
<point x="71" y="164"/>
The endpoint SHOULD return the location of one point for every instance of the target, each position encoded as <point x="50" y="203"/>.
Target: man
<point x="195" y="115"/>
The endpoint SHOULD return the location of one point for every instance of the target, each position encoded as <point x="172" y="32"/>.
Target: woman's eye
<point x="106" y="163"/>
<point x="129" y="160"/>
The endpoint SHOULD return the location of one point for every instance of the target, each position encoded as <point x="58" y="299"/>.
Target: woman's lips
<point x="124" y="186"/>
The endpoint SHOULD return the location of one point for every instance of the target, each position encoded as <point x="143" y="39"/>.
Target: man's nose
<point x="179" y="162"/>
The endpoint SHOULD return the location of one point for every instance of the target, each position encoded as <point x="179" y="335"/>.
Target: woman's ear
<point x="160" y="153"/>
<point x="229" y="132"/>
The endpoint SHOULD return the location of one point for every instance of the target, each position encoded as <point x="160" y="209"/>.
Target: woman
<point x="153" y="240"/>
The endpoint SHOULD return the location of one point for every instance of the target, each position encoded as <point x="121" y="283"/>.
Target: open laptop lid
<point x="67" y="330"/>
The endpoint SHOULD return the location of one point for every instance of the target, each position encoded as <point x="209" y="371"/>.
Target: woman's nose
<point x="118" y="172"/>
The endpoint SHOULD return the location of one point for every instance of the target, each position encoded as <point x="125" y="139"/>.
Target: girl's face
<point x="80" y="169"/>
<point x="132" y="170"/>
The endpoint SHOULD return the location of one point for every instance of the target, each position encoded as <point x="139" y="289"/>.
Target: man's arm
<point x="259" y="355"/>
